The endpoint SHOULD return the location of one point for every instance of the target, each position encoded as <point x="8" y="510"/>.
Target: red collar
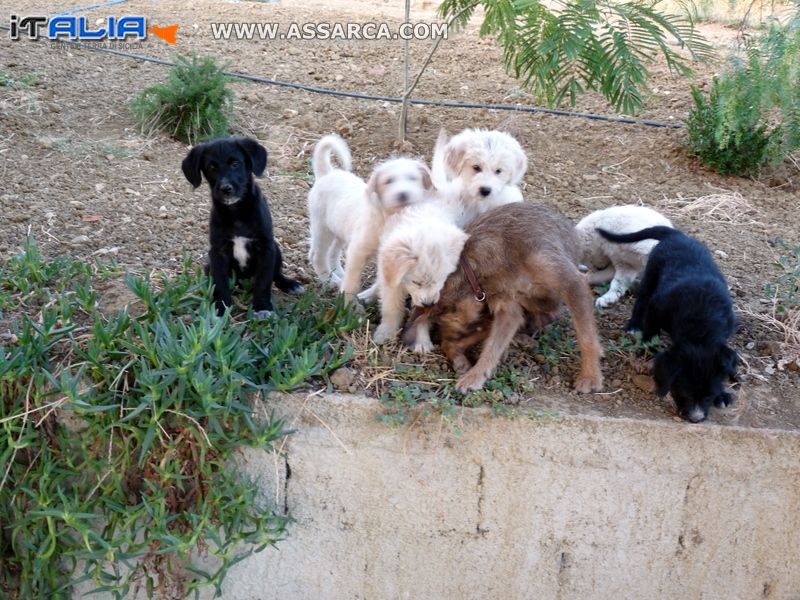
<point x="480" y="295"/>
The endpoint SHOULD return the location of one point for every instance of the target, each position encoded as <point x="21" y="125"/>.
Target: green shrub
<point x="120" y="432"/>
<point x="193" y="105"/>
<point x="559" y="50"/>
<point x="751" y="116"/>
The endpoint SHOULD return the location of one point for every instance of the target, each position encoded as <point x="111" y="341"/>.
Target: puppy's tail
<point x="651" y="233"/>
<point x="438" y="171"/>
<point x="330" y="145"/>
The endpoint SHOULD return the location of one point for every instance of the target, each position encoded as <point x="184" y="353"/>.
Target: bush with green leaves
<point x="562" y="49"/>
<point x="751" y="116"/>
<point x="192" y="105"/>
<point x="785" y="289"/>
<point x="120" y="432"/>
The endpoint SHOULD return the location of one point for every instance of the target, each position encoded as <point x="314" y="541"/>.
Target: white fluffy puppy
<point x="477" y="170"/>
<point x="420" y="248"/>
<point x="347" y="214"/>
<point x="621" y="264"/>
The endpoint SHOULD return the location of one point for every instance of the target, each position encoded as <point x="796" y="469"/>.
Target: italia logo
<point x="79" y="29"/>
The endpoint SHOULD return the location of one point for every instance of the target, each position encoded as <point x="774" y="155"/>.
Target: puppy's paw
<point x="350" y="298"/>
<point x="383" y="334"/>
<point x="470" y="381"/>
<point x="605" y="301"/>
<point x="585" y="384"/>
<point x="261" y="315"/>
<point x="296" y="288"/>
<point x="422" y="347"/>
<point x="723" y="400"/>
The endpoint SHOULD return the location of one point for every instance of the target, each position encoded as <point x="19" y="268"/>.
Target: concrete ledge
<point x="572" y="507"/>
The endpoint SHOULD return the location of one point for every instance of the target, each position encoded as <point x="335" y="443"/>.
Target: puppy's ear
<point x="396" y="260"/>
<point x="427" y="180"/>
<point x="520" y="165"/>
<point x="372" y="186"/>
<point x="256" y="155"/>
<point x="453" y="157"/>
<point x="191" y="165"/>
<point x="665" y="371"/>
<point x="728" y="361"/>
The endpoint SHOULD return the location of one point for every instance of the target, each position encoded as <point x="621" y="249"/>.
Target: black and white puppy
<point x="240" y="228"/>
<point x="683" y="293"/>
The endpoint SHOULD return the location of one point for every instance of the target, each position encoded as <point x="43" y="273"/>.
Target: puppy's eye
<point x="212" y="167"/>
<point x="498" y="171"/>
<point x="389" y="180"/>
<point x="235" y="164"/>
<point x="477" y="168"/>
<point x="417" y="283"/>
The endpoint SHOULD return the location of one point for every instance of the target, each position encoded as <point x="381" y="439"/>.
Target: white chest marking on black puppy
<point x="240" y="250"/>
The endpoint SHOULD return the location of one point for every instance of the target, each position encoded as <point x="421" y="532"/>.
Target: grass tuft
<point x="194" y="104"/>
<point x="120" y="432"/>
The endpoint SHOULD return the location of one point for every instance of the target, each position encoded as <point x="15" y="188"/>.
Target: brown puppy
<point x="525" y="259"/>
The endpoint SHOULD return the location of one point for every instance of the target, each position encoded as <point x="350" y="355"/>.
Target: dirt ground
<point x="79" y="176"/>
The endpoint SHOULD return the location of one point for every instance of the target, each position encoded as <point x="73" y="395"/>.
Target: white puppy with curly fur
<point x="347" y="214"/>
<point x="421" y="246"/>
<point x="621" y="264"/>
<point x="477" y="170"/>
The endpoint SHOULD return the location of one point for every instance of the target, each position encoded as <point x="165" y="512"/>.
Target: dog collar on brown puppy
<point x="480" y="295"/>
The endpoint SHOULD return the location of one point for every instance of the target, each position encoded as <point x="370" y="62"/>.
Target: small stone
<point x="343" y="378"/>
<point x="99" y="187"/>
<point x="539" y="358"/>
<point x="644" y="383"/>
<point x="615" y="383"/>
<point x="9" y="338"/>
<point x="750" y="345"/>
<point x="289" y="113"/>
<point x="79" y="239"/>
<point x="721" y="254"/>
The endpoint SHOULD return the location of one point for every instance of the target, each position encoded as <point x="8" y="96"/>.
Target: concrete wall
<point x="574" y="507"/>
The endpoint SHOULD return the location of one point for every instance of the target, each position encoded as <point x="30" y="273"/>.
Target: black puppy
<point x="240" y="229"/>
<point x="684" y="294"/>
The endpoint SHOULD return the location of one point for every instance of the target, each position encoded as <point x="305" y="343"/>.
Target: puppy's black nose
<point x="485" y="191"/>
<point x="402" y="197"/>
<point x="428" y="304"/>
<point x="226" y="188"/>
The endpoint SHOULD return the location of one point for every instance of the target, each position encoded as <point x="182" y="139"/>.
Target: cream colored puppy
<point x="420" y="248"/>
<point x="477" y="170"/>
<point x="621" y="264"/>
<point x="347" y="214"/>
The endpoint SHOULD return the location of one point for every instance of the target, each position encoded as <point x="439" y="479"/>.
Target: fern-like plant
<point x="561" y="49"/>
<point x="193" y="104"/>
<point x="751" y="117"/>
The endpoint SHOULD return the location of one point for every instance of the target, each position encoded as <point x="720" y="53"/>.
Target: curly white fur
<point x="621" y="264"/>
<point x="477" y="170"/>
<point x="420" y="248"/>
<point x="347" y="214"/>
